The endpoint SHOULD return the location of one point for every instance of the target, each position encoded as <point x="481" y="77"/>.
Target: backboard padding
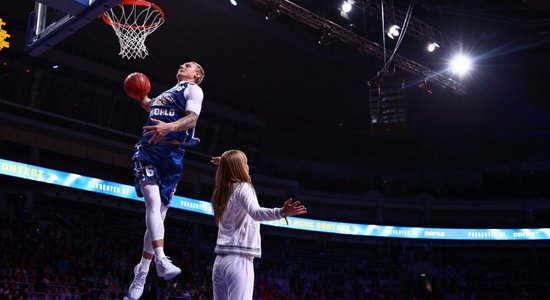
<point x="54" y="20"/>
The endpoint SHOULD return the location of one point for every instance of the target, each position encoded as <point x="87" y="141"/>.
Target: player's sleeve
<point x="194" y="96"/>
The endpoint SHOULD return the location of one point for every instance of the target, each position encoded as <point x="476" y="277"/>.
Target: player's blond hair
<point x="201" y="71"/>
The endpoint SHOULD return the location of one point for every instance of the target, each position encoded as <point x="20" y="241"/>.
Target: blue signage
<point x="76" y="181"/>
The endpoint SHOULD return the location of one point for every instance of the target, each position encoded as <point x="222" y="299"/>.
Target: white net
<point x="133" y="21"/>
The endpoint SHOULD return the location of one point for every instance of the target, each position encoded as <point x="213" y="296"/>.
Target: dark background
<point x="314" y="100"/>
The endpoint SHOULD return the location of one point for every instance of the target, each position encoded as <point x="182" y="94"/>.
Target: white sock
<point x="144" y="264"/>
<point x="159" y="252"/>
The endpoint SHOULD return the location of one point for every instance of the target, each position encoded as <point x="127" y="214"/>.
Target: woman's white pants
<point x="233" y="277"/>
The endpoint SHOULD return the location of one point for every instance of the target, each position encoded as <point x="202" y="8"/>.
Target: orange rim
<point x="107" y="20"/>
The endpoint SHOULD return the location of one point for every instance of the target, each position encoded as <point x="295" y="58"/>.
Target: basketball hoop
<point x="133" y="21"/>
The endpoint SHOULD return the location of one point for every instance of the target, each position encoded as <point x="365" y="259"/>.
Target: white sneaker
<point x="166" y="269"/>
<point x="136" y="288"/>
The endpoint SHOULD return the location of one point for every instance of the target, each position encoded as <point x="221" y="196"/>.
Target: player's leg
<point x="141" y="269"/>
<point x="154" y="218"/>
<point x="143" y="170"/>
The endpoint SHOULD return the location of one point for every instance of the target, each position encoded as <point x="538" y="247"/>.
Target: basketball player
<point x="158" y="164"/>
<point x="238" y="215"/>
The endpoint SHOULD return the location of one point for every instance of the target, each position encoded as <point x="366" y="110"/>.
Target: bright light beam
<point x="461" y="64"/>
<point x="346" y="6"/>
<point x="393" y="31"/>
<point x="432" y="47"/>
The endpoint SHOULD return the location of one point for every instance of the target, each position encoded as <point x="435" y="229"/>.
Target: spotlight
<point x="272" y="14"/>
<point x="234" y="2"/>
<point x="347" y="6"/>
<point x="326" y="38"/>
<point x="461" y="64"/>
<point x="393" y="31"/>
<point x="274" y="11"/>
<point x="432" y="47"/>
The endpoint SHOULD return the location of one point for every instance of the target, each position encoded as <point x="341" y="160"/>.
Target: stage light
<point x="347" y="6"/>
<point x="234" y="2"/>
<point x="432" y="47"/>
<point x="326" y="38"/>
<point x="274" y="12"/>
<point x="461" y="64"/>
<point x="393" y="31"/>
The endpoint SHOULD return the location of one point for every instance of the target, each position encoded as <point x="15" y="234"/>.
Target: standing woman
<point x="238" y="214"/>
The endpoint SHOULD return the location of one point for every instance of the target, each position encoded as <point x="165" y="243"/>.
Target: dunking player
<point x="158" y="164"/>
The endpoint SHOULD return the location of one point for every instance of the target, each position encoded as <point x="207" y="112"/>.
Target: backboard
<point x="54" y="20"/>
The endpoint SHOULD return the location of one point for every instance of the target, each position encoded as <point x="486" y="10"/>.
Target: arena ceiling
<point x="277" y="70"/>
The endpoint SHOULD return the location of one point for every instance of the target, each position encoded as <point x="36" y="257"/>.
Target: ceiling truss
<point x="360" y="43"/>
<point x="416" y="27"/>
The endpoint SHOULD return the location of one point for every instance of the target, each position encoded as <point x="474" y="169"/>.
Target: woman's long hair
<point x="232" y="168"/>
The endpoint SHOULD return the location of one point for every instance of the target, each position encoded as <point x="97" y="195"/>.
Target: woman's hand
<point x="215" y="160"/>
<point x="293" y="208"/>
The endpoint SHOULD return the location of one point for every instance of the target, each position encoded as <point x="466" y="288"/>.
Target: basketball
<point x="137" y="85"/>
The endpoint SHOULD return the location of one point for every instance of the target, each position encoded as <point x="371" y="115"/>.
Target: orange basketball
<point x="137" y="85"/>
